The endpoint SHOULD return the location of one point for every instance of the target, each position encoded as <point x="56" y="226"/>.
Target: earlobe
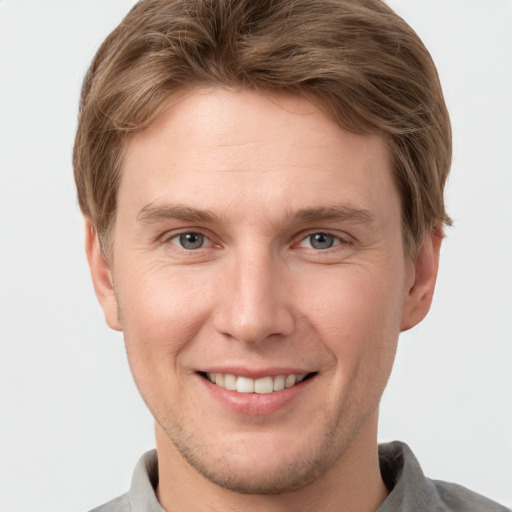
<point x="101" y="277"/>
<point x="422" y="282"/>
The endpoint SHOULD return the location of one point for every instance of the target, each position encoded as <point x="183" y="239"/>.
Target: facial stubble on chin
<point x="290" y="474"/>
<point x="293" y="472"/>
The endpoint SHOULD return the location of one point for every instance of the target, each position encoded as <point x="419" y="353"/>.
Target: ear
<point x="421" y="282"/>
<point x="101" y="277"/>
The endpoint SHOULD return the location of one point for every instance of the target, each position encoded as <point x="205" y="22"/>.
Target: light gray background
<point x="71" y="422"/>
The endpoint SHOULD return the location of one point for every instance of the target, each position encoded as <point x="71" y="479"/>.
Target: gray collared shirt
<point x="410" y="490"/>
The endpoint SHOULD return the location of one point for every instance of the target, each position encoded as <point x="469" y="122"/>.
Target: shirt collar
<point x="409" y="489"/>
<point x="144" y="483"/>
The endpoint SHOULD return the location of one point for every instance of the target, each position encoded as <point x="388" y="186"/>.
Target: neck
<point x="352" y="484"/>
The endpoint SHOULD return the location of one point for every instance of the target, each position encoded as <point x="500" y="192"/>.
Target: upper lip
<point x="254" y="373"/>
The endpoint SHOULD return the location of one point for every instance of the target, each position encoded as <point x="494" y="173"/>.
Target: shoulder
<point x="411" y="491"/>
<point x="459" y="498"/>
<point x="119" y="504"/>
<point x="142" y="493"/>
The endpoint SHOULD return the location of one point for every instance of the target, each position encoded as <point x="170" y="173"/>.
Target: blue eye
<point x="321" y="240"/>
<point x="189" y="241"/>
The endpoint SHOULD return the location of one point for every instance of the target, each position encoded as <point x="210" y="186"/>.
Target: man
<point x="262" y="184"/>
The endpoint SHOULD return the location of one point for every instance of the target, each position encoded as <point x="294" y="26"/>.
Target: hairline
<point x="410" y="244"/>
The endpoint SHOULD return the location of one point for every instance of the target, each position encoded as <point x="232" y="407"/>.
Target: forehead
<point x="214" y="148"/>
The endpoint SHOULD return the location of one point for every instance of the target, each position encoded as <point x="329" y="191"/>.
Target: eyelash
<point x="336" y="240"/>
<point x="174" y="239"/>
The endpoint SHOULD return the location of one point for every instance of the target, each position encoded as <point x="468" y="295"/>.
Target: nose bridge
<point x="254" y="304"/>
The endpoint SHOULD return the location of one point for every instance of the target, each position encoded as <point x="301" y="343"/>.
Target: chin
<point x="277" y="477"/>
<point x="260" y="465"/>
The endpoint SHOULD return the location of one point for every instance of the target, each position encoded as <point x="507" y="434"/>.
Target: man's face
<point x="258" y="244"/>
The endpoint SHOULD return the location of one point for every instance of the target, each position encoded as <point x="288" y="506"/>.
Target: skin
<point x="257" y="176"/>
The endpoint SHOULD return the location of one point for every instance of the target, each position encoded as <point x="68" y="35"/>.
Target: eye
<point x="320" y="241"/>
<point x="189" y="241"/>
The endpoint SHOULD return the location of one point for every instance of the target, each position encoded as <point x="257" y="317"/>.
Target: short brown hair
<point x="364" y="63"/>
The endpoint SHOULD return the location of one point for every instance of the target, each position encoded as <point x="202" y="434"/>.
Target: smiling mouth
<point x="264" y="385"/>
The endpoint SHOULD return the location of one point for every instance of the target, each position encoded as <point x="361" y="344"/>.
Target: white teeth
<point x="230" y="382"/>
<point x="279" y="383"/>
<point x="264" y="385"/>
<point x="245" y="385"/>
<point x="290" y="381"/>
<point x="261" y="386"/>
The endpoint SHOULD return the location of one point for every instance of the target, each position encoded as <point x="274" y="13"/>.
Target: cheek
<point x="357" y="315"/>
<point x="161" y="313"/>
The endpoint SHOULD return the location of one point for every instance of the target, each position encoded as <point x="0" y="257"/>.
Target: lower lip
<point x="256" y="404"/>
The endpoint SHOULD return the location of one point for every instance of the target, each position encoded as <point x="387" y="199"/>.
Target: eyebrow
<point x="154" y="213"/>
<point x="332" y="213"/>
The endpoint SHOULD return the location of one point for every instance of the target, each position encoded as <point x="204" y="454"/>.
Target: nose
<point x="255" y="304"/>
